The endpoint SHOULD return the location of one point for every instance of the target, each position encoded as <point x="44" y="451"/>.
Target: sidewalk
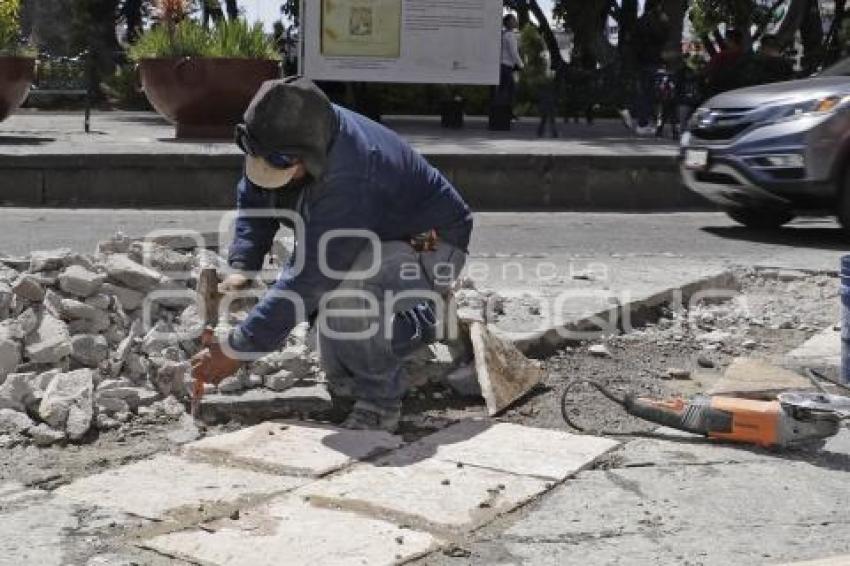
<point x="131" y="159"/>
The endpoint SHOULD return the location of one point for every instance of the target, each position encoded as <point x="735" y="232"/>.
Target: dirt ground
<point x="774" y="312"/>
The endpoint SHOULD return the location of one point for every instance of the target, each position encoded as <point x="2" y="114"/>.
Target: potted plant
<point x="17" y="61"/>
<point x="202" y="79"/>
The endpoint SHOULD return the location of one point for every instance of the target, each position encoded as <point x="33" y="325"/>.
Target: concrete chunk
<point x="295" y="449"/>
<point x="79" y="281"/>
<point x="127" y="272"/>
<point x="10" y="356"/>
<point x="291" y="532"/>
<point x="16" y="391"/>
<point x="504" y="373"/>
<point x="50" y="342"/>
<point x="28" y="287"/>
<point x="129" y="298"/>
<point x="89" y="349"/>
<point x="68" y="403"/>
<point x="166" y="485"/>
<point x="48" y="260"/>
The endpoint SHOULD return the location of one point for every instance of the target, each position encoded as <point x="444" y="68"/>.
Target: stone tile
<point x="504" y="373"/>
<point x="257" y="405"/>
<point x="164" y="486"/>
<point x="821" y="350"/>
<point x="292" y="532"/>
<point x="755" y="378"/>
<point x="512" y="448"/>
<point x="432" y="494"/>
<point x="33" y="527"/>
<point x="294" y="449"/>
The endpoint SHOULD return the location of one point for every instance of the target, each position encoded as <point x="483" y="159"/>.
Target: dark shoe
<point x="365" y="416"/>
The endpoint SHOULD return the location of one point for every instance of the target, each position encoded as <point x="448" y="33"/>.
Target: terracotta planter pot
<point x="16" y="76"/>
<point x="204" y="98"/>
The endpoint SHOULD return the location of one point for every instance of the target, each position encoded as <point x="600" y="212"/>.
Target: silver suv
<point x="765" y="154"/>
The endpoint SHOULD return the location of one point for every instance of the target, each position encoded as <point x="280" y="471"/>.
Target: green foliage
<point x="236" y="38"/>
<point x="188" y="38"/>
<point x="10" y="29"/>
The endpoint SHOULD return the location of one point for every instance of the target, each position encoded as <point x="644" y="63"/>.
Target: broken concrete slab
<point x="79" y="281"/>
<point x="516" y="449"/>
<point x="130" y="299"/>
<point x="823" y="350"/>
<point x="123" y="270"/>
<point x="166" y="486"/>
<point x="504" y="373"/>
<point x="295" y="533"/>
<point x="89" y="349"/>
<point x="312" y="450"/>
<point x="430" y="494"/>
<point x="757" y="379"/>
<point x="29" y="287"/>
<point x="255" y="405"/>
<point x="68" y="403"/>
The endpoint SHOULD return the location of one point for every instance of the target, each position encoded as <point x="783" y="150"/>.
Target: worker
<point x="384" y="236"/>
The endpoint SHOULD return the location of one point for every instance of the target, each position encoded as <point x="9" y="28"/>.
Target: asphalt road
<point x="813" y="244"/>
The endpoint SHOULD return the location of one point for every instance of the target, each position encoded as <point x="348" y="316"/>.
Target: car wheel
<point x="761" y="219"/>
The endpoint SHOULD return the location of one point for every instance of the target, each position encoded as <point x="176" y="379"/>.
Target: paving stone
<point x="821" y="350"/>
<point x="755" y="378"/>
<point x="165" y="485"/>
<point x="295" y="449"/>
<point x="294" y="533"/>
<point x="504" y="373"/>
<point x="512" y="448"/>
<point x="255" y="405"/>
<point x="35" y="533"/>
<point x="431" y="494"/>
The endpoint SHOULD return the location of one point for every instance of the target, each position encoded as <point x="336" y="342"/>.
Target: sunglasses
<point x="248" y="144"/>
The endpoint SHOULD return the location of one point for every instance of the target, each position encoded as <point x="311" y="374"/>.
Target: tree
<point x="232" y="9"/>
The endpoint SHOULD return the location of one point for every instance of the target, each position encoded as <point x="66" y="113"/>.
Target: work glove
<point x="213" y="365"/>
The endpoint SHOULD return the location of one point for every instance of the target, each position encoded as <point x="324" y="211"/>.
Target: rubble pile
<point x="76" y="350"/>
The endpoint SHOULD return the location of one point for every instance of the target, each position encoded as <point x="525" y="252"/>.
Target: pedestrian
<point x="384" y="235"/>
<point x="650" y="37"/>
<point x="769" y="64"/>
<point x="689" y="89"/>
<point x="502" y="103"/>
<point x="725" y="70"/>
<point x="548" y="99"/>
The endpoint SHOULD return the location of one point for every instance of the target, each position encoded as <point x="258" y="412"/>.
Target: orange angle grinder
<point x="794" y="419"/>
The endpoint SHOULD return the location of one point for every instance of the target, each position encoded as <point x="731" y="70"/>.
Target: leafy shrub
<point x="10" y="29"/>
<point x="188" y="38"/>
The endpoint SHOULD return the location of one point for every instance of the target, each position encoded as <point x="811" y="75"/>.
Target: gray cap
<point x="293" y="116"/>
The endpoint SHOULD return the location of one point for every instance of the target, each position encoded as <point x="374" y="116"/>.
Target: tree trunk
<point x="232" y="9"/>
<point x="811" y="35"/>
<point x="792" y="21"/>
<point x="547" y="34"/>
<point x="675" y="10"/>
<point x="133" y="16"/>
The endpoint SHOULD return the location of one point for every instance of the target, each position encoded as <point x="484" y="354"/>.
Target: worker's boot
<point x="366" y="416"/>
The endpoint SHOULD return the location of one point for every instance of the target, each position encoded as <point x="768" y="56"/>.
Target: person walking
<point x="502" y="103"/>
